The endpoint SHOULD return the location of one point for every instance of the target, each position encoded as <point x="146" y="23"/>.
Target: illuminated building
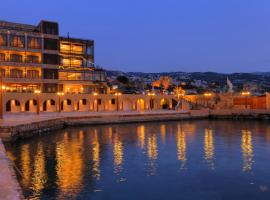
<point x="37" y="58"/>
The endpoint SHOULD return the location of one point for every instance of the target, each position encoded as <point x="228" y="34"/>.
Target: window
<point x="113" y="101"/>
<point x="68" y="102"/>
<point x="32" y="74"/>
<point x="50" y="44"/>
<point x="15" y="58"/>
<point x="52" y="102"/>
<point x="32" y="59"/>
<point x="3" y="40"/>
<point x="2" y="57"/>
<point x="50" y="59"/>
<point x="84" y="101"/>
<point x="64" y="47"/>
<point x="34" y="43"/>
<point x="71" y="62"/>
<point x="17" y="41"/>
<point x="77" y="48"/>
<point x="34" y="102"/>
<point x="2" y="72"/>
<point x="16" y="73"/>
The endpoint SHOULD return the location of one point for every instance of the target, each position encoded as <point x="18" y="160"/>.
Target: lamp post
<point x="151" y="94"/>
<point x="117" y="100"/>
<point x="207" y="95"/>
<point x="180" y="93"/>
<point x="37" y="92"/>
<point x="95" y="94"/>
<point x="245" y="94"/>
<point x="60" y="94"/>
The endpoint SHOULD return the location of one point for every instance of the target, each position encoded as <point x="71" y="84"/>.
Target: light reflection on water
<point x="110" y="161"/>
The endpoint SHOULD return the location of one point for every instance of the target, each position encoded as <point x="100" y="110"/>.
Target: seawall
<point x="27" y="126"/>
<point x="23" y="126"/>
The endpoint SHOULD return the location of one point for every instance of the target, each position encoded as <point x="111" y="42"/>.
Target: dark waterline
<point x="171" y="160"/>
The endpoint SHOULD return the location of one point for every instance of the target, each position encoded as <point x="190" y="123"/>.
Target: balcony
<point x="10" y="62"/>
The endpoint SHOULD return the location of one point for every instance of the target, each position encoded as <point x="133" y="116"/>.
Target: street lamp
<point x="37" y="92"/>
<point x="245" y="94"/>
<point x="180" y="93"/>
<point x="151" y="94"/>
<point x="117" y="99"/>
<point x="95" y="94"/>
<point x="59" y="100"/>
<point x="207" y="95"/>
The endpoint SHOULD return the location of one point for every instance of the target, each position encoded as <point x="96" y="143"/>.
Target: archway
<point x="140" y="105"/>
<point x="82" y="105"/>
<point x="49" y="105"/>
<point x="67" y="106"/>
<point x="127" y="105"/>
<point x="13" y="105"/>
<point x="164" y="103"/>
<point x="31" y="105"/>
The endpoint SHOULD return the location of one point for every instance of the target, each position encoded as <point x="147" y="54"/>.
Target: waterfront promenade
<point x="9" y="186"/>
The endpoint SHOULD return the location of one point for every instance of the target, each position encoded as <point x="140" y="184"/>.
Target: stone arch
<point x="13" y="105"/>
<point x="127" y="104"/>
<point x="30" y="105"/>
<point x="82" y="105"/>
<point x="164" y="103"/>
<point x="111" y="104"/>
<point x="49" y="105"/>
<point x="99" y="104"/>
<point x="140" y="104"/>
<point x="67" y="105"/>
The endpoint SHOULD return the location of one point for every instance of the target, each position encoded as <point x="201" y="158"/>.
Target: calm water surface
<point x="171" y="160"/>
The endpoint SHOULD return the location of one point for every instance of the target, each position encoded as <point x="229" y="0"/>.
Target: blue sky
<point x="161" y="35"/>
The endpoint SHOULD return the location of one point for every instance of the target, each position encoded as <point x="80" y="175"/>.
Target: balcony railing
<point x="20" y="61"/>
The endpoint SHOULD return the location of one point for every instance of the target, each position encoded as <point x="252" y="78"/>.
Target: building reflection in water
<point x="118" y="153"/>
<point x="163" y="133"/>
<point x="152" y="151"/>
<point x="181" y="146"/>
<point x="39" y="177"/>
<point x="110" y="133"/>
<point x="25" y="163"/>
<point x="141" y="135"/>
<point x="69" y="163"/>
<point x="247" y="150"/>
<point x="209" y="147"/>
<point x="96" y="155"/>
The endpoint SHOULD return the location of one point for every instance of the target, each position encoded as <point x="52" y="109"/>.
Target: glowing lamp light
<point x="151" y="94"/>
<point x="118" y="94"/>
<point x="207" y="94"/>
<point x="245" y="93"/>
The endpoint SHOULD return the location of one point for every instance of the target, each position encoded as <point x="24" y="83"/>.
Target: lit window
<point x="34" y="43"/>
<point x="17" y="41"/>
<point x="3" y="40"/>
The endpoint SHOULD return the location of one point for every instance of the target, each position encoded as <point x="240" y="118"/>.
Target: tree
<point x="123" y="79"/>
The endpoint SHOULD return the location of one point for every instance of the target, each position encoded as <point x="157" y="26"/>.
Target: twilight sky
<point x="161" y="35"/>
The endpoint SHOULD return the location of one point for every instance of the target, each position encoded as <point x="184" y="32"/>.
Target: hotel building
<point x="37" y="58"/>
